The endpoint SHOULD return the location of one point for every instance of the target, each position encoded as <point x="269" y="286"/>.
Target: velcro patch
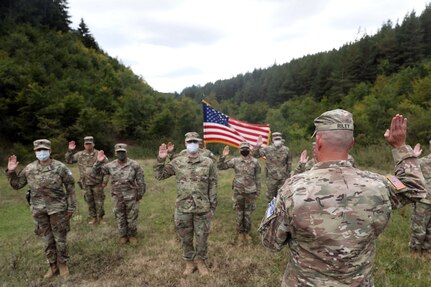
<point x="395" y="182"/>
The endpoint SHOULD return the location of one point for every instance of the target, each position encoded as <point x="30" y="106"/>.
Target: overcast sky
<point x="174" y="44"/>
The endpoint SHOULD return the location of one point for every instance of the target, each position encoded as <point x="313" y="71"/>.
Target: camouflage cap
<point x="120" y="147"/>
<point x="334" y="120"/>
<point x="88" y="139"/>
<point x="41" y="144"/>
<point x="192" y="136"/>
<point x="244" y="145"/>
<point x="276" y="135"/>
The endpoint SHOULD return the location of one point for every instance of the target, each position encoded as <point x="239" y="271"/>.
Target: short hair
<point x="337" y="139"/>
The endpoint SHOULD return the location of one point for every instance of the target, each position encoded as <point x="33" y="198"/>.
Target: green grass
<point x="98" y="260"/>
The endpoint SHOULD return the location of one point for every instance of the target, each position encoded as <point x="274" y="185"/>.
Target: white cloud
<point x="174" y="44"/>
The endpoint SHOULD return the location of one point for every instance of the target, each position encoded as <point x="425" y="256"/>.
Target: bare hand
<point x="171" y="147"/>
<point x="163" y="151"/>
<point x="226" y="151"/>
<point x="397" y="133"/>
<point x="12" y="163"/>
<point x="304" y="158"/>
<point x="100" y="155"/>
<point x="259" y="142"/>
<point x="417" y="150"/>
<point x="72" y="145"/>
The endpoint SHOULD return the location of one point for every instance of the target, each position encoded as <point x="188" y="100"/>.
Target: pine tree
<point x="86" y="36"/>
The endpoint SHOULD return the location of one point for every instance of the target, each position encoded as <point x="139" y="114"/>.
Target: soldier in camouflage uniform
<point x="127" y="189"/>
<point x="332" y="215"/>
<point x="88" y="181"/>
<point x="52" y="202"/>
<point x="246" y="186"/>
<point x="202" y="151"/>
<point x="278" y="163"/>
<point x="196" y="201"/>
<point x="420" y="238"/>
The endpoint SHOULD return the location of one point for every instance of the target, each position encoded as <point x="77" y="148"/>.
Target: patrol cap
<point x="333" y="120"/>
<point x="88" y="139"/>
<point x="192" y="136"/>
<point x="120" y="147"/>
<point x="41" y="144"/>
<point x="244" y="145"/>
<point x="276" y="135"/>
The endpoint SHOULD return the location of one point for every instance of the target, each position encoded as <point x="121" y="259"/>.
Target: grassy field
<point x="98" y="260"/>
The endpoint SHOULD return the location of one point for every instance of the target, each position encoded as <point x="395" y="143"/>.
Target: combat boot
<point x="101" y="221"/>
<point x="124" y="240"/>
<point x="93" y="221"/>
<point x="426" y="254"/>
<point x="64" y="270"/>
<point x="202" y="267"/>
<point x="190" y="267"/>
<point x="247" y="238"/>
<point x="52" y="271"/>
<point x="133" y="240"/>
<point x="416" y="254"/>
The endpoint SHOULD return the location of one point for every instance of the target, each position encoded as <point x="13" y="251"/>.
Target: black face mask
<point x="245" y="152"/>
<point x="121" y="155"/>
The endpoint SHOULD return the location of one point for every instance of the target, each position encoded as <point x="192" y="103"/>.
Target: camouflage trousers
<point x="190" y="225"/>
<point x="420" y="227"/>
<point x="53" y="229"/>
<point x="272" y="187"/>
<point x="95" y="197"/>
<point x="244" y="204"/>
<point x="126" y="212"/>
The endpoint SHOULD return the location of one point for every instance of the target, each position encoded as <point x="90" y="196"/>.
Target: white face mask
<point x="192" y="147"/>
<point x="278" y="142"/>
<point x="42" y="154"/>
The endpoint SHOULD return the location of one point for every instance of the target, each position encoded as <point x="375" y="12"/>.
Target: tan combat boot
<point x="202" y="267"/>
<point x="52" y="271"/>
<point x="190" y="267"/>
<point x="426" y="254"/>
<point x="93" y="221"/>
<point x="124" y="240"/>
<point x="64" y="270"/>
<point x="133" y="241"/>
<point x="101" y="221"/>
<point x="416" y="254"/>
<point x="248" y="238"/>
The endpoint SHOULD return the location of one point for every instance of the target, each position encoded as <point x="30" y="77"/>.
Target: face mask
<point x="277" y="142"/>
<point x="121" y="156"/>
<point x="42" y="154"/>
<point x="245" y="152"/>
<point x="192" y="147"/>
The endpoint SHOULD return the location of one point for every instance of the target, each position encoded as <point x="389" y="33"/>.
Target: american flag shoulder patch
<point x="395" y="182"/>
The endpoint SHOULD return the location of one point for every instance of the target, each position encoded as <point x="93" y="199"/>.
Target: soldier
<point x="127" y="189"/>
<point x="196" y="199"/>
<point x="202" y="150"/>
<point x="332" y="215"/>
<point x="420" y="237"/>
<point x="278" y="163"/>
<point x="88" y="181"/>
<point x="246" y="186"/>
<point x="52" y="201"/>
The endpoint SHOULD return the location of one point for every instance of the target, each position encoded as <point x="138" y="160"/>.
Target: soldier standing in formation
<point x="278" y="163"/>
<point x="420" y="237"/>
<point x="246" y="187"/>
<point x="88" y="181"/>
<point x="332" y="215"/>
<point x="127" y="189"/>
<point x="53" y="202"/>
<point x="196" y="201"/>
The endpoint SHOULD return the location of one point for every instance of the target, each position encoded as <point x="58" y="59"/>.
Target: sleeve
<point x="140" y="181"/>
<point x="408" y="184"/>
<point x="300" y="168"/>
<point x="17" y="180"/>
<point x="212" y="188"/>
<point x="258" y="152"/>
<point x="69" y="184"/>
<point x="163" y="170"/>
<point x="71" y="156"/>
<point x="258" y="179"/>
<point x="222" y="164"/>
<point x="289" y="162"/>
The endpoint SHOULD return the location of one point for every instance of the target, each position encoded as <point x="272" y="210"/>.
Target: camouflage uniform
<point x="278" y="166"/>
<point x="52" y="197"/>
<point x="196" y="200"/>
<point x="332" y="215"/>
<point x="127" y="188"/>
<point x="246" y="186"/>
<point x="303" y="167"/>
<point x="89" y="181"/>
<point x="420" y="239"/>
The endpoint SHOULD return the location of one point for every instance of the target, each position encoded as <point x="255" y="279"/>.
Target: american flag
<point x="220" y="128"/>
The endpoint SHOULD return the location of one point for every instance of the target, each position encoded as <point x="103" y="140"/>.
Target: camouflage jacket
<point x="52" y="186"/>
<point x="303" y="167"/>
<point x="127" y="180"/>
<point x="196" y="182"/>
<point x="203" y="152"/>
<point x="85" y="161"/>
<point x="278" y="160"/>
<point x="425" y="163"/>
<point x="331" y="217"/>
<point x="247" y="173"/>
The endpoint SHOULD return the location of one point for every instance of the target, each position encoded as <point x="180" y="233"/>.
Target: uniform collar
<point x="332" y="163"/>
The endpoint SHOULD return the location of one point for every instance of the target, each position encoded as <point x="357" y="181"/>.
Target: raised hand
<point x="12" y="163"/>
<point x="259" y="142"/>
<point x="417" y="150"/>
<point x="163" y="151"/>
<point x="304" y="158"/>
<point x="171" y="147"/>
<point x="100" y="155"/>
<point x="72" y="145"/>
<point x="226" y="151"/>
<point x="397" y="133"/>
